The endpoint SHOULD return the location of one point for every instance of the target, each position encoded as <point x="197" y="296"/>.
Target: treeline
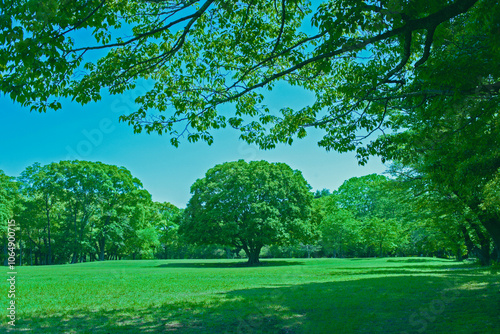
<point x="77" y="211"/>
<point x="377" y="216"/>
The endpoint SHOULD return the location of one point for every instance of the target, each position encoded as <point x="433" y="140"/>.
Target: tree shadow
<point x="386" y="304"/>
<point x="229" y="264"/>
<point x="415" y="260"/>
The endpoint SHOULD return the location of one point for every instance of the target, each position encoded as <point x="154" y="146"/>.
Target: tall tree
<point x="43" y="182"/>
<point x="248" y="205"/>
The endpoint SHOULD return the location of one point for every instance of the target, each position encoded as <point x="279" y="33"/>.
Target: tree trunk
<point x="484" y="244"/>
<point x="253" y="255"/>
<point x="102" y="244"/>
<point x="49" y="249"/>
<point x="20" y="253"/>
<point x="492" y="225"/>
<point x="102" y="241"/>
<point x="75" y="245"/>
<point x="468" y="242"/>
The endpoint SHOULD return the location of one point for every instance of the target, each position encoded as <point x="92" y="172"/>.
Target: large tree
<point x="248" y="205"/>
<point x="360" y="58"/>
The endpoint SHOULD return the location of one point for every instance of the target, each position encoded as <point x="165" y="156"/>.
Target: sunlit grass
<point x="284" y="296"/>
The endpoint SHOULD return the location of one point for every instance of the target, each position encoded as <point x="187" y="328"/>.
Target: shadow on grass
<point x="417" y="260"/>
<point x="401" y="271"/>
<point x="451" y="303"/>
<point x="229" y="264"/>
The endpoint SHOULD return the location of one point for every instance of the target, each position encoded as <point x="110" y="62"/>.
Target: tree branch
<point x="432" y="20"/>
<point x="427" y="47"/>
<point x="192" y="18"/>
<point x="83" y="20"/>
<point x="283" y="18"/>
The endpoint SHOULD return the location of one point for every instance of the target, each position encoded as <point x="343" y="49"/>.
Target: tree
<point x="8" y="192"/>
<point x="456" y="151"/>
<point x="441" y="221"/>
<point x="248" y="205"/>
<point x="8" y="199"/>
<point x="381" y="220"/>
<point x="338" y="229"/>
<point x="360" y="58"/>
<point x="88" y="203"/>
<point x="42" y="182"/>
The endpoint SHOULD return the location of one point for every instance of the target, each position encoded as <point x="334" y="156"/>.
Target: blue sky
<point x="92" y="132"/>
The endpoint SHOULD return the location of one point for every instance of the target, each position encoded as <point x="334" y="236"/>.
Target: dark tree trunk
<point x="75" y="245"/>
<point x="102" y="240"/>
<point x="492" y="225"/>
<point x="102" y="244"/>
<point x="49" y="248"/>
<point x="484" y="244"/>
<point x="253" y="255"/>
<point x="468" y="242"/>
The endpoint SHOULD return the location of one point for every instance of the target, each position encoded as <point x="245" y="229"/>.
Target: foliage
<point x="364" y="60"/>
<point x="8" y="196"/>
<point x="338" y="228"/>
<point x="248" y="205"/>
<point x="492" y="195"/>
<point x="84" y="208"/>
<point x="8" y="202"/>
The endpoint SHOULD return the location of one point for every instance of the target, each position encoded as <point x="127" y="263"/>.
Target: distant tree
<point x="322" y="193"/>
<point x="248" y="205"/>
<point x="88" y="203"/>
<point x="8" y="194"/>
<point x="8" y="198"/>
<point x="42" y="184"/>
<point x="377" y="205"/>
<point x="337" y="228"/>
<point x="363" y="196"/>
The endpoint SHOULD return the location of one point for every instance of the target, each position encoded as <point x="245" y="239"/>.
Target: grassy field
<point x="398" y="295"/>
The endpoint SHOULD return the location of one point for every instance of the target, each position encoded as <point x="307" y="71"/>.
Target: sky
<point x="93" y="132"/>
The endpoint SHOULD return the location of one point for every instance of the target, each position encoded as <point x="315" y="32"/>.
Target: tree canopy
<point x="368" y="63"/>
<point x="8" y="196"/>
<point x="83" y="207"/>
<point x="248" y="206"/>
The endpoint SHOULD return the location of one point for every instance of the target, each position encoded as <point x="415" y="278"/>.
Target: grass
<point x="402" y="295"/>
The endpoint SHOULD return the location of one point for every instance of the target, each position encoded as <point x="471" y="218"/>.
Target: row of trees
<point x="75" y="211"/>
<point x="377" y="216"/>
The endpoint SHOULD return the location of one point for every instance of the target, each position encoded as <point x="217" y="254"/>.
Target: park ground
<point x="388" y="295"/>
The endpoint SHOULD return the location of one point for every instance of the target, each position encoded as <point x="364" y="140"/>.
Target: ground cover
<point x="396" y="295"/>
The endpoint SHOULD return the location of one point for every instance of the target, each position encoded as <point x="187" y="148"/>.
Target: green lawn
<point x="398" y="295"/>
